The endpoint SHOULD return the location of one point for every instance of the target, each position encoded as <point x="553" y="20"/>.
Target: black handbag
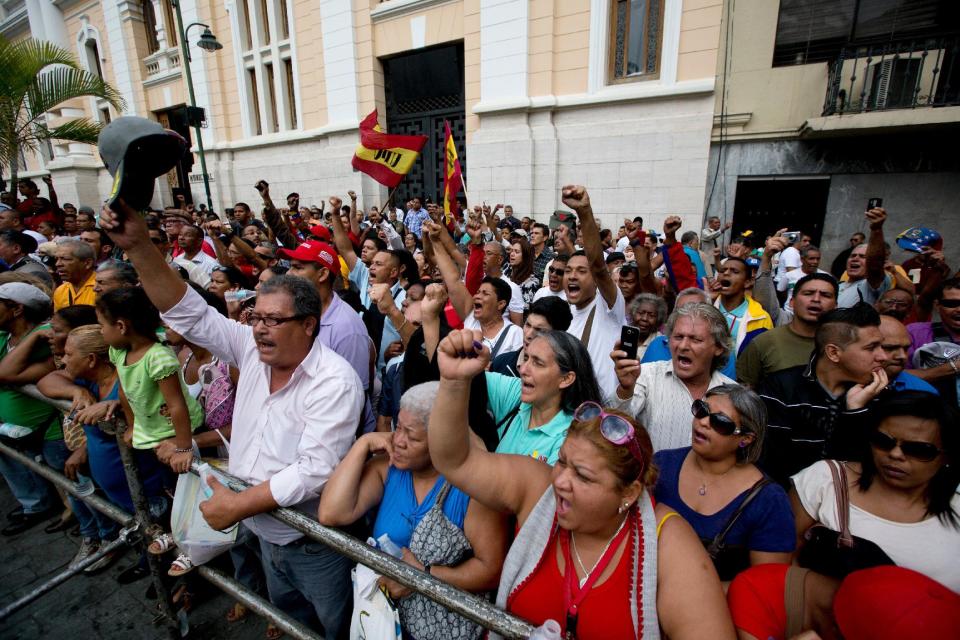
<point x="729" y="561"/>
<point x="839" y="553"/>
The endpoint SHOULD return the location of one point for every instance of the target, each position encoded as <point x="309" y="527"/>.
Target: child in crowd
<point x="152" y="392"/>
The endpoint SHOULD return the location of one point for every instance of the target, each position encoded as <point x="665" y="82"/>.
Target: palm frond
<point x="56" y="86"/>
<point x="79" y="130"/>
<point x="23" y="61"/>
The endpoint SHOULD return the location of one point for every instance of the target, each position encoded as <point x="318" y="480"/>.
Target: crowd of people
<point x="625" y="431"/>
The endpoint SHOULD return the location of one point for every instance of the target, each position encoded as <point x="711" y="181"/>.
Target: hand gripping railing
<point x="465" y="604"/>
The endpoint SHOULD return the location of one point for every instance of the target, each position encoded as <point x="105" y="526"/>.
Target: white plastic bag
<point x="373" y="617"/>
<point x="193" y="535"/>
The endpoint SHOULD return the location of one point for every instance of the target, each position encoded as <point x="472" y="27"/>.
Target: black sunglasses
<point x="719" y="422"/>
<point x="922" y="451"/>
<point x="949" y="304"/>
<point x="557" y="271"/>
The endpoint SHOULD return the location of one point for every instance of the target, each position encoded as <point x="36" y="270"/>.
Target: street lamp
<point x="207" y="42"/>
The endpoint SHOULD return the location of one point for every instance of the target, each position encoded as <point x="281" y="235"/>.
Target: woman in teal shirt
<point x="532" y="412"/>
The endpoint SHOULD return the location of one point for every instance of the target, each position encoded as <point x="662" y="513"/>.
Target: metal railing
<point x="894" y="75"/>
<point x="139" y="529"/>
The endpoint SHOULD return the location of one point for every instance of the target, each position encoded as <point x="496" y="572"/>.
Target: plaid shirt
<point x="540" y="262"/>
<point x="414" y="220"/>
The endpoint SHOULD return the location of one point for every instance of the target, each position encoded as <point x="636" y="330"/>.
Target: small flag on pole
<point x="384" y="157"/>
<point x="452" y="176"/>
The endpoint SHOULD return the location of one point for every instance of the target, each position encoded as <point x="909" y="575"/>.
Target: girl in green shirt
<point x="152" y="393"/>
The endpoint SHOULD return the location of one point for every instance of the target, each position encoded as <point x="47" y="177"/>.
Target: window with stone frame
<point x="636" y="35"/>
<point x="269" y="81"/>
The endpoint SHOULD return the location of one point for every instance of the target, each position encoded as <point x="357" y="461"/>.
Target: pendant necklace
<point x="703" y="484"/>
<point x="586" y="574"/>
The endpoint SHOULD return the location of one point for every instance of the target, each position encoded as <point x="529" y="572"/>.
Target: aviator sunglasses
<point x="719" y="422"/>
<point x="922" y="451"/>
<point x="616" y="429"/>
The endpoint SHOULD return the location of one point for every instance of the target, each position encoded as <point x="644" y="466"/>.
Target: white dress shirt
<point x="292" y="438"/>
<point x="661" y="403"/>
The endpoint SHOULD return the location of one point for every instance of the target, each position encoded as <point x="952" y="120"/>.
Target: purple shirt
<point x="921" y="333"/>
<point x="342" y="330"/>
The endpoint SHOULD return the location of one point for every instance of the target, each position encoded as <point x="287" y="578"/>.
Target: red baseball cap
<point x="893" y="602"/>
<point x="321" y="232"/>
<point x="314" y="251"/>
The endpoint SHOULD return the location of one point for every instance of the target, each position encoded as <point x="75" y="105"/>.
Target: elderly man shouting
<point x="296" y="412"/>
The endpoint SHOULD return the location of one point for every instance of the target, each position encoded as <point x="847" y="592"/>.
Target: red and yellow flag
<point x="384" y="157"/>
<point x="452" y="176"/>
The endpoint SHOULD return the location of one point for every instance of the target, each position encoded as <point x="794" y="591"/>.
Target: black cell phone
<point x="630" y="341"/>
<point x="874" y="203"/>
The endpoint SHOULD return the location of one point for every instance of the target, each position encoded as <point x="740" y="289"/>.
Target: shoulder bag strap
<point x="718" y="540"/>
<point x="499" y="342"/>
<point x="587" y="328"/>
<point x="843" y="502"/>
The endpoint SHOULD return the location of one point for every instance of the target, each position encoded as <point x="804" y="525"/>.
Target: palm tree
<point x="36" y="77"/>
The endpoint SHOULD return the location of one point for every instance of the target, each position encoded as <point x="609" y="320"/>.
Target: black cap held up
<point x="136" y="151"/>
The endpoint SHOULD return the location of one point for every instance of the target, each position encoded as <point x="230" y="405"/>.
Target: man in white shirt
<point x="191" y="242"/>
<point x="297" y="408"/>
<point x="597" y="306"/>
<point x="809" y="263"/>
<point x="661" y="393"/>
<point x="710" y="237"/>
<point x="789" y="260"/>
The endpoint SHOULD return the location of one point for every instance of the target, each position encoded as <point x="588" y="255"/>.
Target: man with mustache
<point x="297" y="408"/>
<point x="790" y="345"/>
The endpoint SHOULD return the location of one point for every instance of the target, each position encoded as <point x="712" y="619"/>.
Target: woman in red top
<point x="592" y="552"/>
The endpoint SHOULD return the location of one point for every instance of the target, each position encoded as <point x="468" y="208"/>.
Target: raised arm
<point x="340" y="236"/>
<point x="876" y="251"/>
<point x="460" y="297"/>
<point x="128" y="230"/>
<point x="355" y="214"/>
<point x="764" y="290"/>
<point x="271" y="216"/>
<point x="504" y="483"/>
<point x="576" y="197"/>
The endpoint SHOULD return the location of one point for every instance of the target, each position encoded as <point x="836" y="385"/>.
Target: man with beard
<point x="816" y="410"/>
<point x="792" y="344"/>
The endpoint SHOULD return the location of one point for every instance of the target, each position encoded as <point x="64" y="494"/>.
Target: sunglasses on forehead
<point x="615" y="429"/>
<point x="922" y="451"/>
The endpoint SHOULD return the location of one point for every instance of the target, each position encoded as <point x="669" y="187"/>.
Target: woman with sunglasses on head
<point x="592" y="552"/>
<point x="741" y="517"/>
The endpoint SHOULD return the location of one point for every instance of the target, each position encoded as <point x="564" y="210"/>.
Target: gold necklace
<point x="703" y="484"/>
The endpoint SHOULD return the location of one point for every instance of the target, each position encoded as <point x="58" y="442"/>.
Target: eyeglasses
<point x="719" y="422"/>
<point x="270" y="321"/>
<point x="949" y="304"/>
<point x="616" y="429"/>
<point x="922" y="451"/>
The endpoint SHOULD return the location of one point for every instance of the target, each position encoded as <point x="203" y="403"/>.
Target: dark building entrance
<point x="179" y="177"/>
<point x="765" y="205"/>
<point x="423" y="89"/>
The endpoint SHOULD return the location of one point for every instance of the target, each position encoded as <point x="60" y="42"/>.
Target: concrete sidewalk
<point x="94" y="607"/>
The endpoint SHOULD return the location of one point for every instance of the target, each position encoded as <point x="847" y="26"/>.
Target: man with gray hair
<point x="75" y="263"/>
<point x="659" y="348"/>
<point x="659" y="394"/>
<point x="113" y="274"/>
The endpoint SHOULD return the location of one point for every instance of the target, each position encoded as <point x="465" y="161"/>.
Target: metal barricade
<point x="139" y="529"/>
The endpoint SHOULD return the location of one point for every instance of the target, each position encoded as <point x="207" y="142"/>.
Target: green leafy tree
<point x="36" y="77"/>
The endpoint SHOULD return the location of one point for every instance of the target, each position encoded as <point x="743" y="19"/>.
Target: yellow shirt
<point x="66" y="295"/>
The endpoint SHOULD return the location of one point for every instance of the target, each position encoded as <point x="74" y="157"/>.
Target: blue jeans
<point x="310" y="582"/>
<point x="93" y="524"/>
<point x="30" y="490"/>
<point x="247" y="565"/>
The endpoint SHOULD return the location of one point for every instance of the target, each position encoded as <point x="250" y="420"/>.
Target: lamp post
<point x="207" y="42"/>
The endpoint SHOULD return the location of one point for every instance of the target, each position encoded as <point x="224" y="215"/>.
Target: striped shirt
<point x="661" y="403"/>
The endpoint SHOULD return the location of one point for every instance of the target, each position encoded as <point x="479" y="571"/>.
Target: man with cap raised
<point x="75" y="266"/>
<point x="23" y="310"/>
<point x="341" y="329"/>
<point x="297" y="409"/>
<point x="15" y="250"/>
